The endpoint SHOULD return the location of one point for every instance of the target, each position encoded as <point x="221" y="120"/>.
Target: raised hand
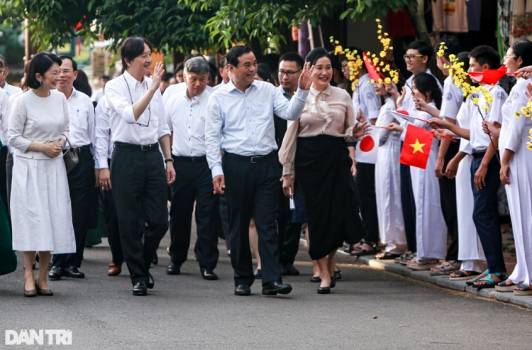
<point x="306" y="77"/>
<point x="361" y="129"/>
<point x="157" y="76"/>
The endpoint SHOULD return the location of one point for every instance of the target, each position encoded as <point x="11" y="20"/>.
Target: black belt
<point x="142" y="148"/>
<point x="251" y="159"/>
<point x="478" y="153"/>
<point x="82" y="148"/>
<point x="189" y="159"/>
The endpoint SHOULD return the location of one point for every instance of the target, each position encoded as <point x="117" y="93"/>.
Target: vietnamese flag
<point x="370" y="67"/>
<point x="416" y="147"/>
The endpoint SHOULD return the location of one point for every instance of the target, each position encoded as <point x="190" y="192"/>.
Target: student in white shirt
<point x="138" y="175"/>
<point x="10" y="90"/>
<point x="186" y="108"/>
<point x="81" y="179"/>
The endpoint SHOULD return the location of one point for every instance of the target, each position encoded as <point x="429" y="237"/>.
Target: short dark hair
<point x="523" y="49"/>
<point x="234" y="54"/>
<point x="427" y="83"/>
<point x="132" y="48"/>
<point x="422" y="47"/>
<point x="463" y="57"/>
<point x="293" y="57"/>
<point x="40" y="64"/>
<point x="485" y="54"/>
<point x="179" y="66"/>
<point x="315" y="54"/>
<point x="264" y="72"/>
<point x="66" y="57"/>
<point x="82" y="83"/>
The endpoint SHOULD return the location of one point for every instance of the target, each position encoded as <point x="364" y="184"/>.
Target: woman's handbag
<point x="71" y="157"/>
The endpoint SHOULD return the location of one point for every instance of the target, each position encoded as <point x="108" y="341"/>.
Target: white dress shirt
<point x="242" y="122"/>
<point x="103" y="147"/>
<point x="81" y="115"/>
<point x="478" y="139"/>
<point x="37" y="119"/>
<point x="121" y="93"/>
<point x="365" y="99"/>
<point x="186" y="120"/>
<point x="452" y="98"/>
<point x="11" y="90"/>
<point x="4" y="103"/>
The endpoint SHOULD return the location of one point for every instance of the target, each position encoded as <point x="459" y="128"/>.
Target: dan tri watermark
<point x="43" y="337"/>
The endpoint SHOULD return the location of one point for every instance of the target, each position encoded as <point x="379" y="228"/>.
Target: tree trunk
<point x="418" y="15"/>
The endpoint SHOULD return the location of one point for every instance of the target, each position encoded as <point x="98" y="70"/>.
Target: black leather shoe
<point x="290" y="270"/>
<point x="55" y="273"/>
<point x="151" y="282"/>
<point x="173" y="269"/>
<point x="208" y="275"/>
<point x="324" y="290"/>
<point x="140" y="288"/>
<point x="274" y="288"/>
<point x="242" y="290"/>
<point x="73" y="272"/>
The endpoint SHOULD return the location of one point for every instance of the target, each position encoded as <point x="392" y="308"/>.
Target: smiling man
<point x="240" y="124"/>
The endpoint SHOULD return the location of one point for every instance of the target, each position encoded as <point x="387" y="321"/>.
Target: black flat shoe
<point x="242" y="290"/>
<point x="274" y="288"/>
<point x="173" y="269"/>
<point x="337" y="275"/>
<point x="208" y="275"/>
<point x="315" y="279"/>
<point x="72" y="272"/>
<point x="324" y="290"/>
<point x="55" y="273"/>
<point x="140" y="288"/>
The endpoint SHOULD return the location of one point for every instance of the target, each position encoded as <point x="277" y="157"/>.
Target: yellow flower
<point x="475" y="101"/>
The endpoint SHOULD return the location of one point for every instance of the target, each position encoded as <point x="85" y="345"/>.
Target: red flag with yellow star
<point x="416" y="147"/>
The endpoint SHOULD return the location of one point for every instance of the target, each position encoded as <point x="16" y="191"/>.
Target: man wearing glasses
<point x="240" y="124"/>
<point x="138" y="175"/>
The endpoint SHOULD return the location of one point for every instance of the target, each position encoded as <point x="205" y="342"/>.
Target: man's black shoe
<point x="242" y="290"/>
<point x="274" y="288"/>
<point x="173" y="269"/>
<point x="73" y="272"/>
<point x="140" y="288"/>
<point x="208" y="275"/>
<point x="55" y="273"/>
<point x="290" y="270"/>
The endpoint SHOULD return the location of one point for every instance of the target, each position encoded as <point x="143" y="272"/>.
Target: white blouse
<point x="37" y="119"/>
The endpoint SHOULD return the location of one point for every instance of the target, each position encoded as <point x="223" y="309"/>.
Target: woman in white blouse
<point x="40" y="202"/>
<point x="314" y="150"/>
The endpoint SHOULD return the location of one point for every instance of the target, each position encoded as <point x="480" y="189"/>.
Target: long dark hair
<point x="427" y="84"/>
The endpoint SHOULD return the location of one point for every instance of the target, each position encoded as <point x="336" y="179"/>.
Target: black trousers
<point x="486" y="215"/>
<point x="111" y="224"/>
<point x="365" y="181"/>
<point x="448" y="205"/>
<point x="193" y="185"/>
<point x="409" y="207"/>
<point x="289" y="232"/>
<point x="252" y="190"/>
<point x="84" y="200"/>
<point x="140" y="193"/>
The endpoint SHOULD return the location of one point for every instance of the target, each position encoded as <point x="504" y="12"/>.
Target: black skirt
<point x="323" y="173"/>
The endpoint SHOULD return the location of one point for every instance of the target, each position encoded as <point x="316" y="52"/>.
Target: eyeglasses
<point x="288" y="72"/>
<point x="131" y="99"/>
<point x="411" y="57"/>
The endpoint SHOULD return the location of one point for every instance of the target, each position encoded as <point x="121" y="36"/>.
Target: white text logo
<point x="38" y="337"/>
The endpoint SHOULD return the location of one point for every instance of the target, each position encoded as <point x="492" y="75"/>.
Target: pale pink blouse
<point x="328" y="112"/>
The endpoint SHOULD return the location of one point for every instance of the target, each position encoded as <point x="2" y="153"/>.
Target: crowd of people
<point x="262" y="160"/>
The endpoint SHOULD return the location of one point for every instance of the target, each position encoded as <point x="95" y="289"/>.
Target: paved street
<point x="368" y="310"/>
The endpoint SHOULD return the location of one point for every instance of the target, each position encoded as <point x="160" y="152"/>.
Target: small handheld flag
<point x="416" y="147"/>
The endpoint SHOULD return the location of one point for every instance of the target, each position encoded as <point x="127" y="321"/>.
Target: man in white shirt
<point x="138" y="176"/>
<point x="240" y="123"/>
<point x="4" y="102"/>
<point x="10" y="90"/>
<point x="186" y="108"/>
<point x="81" y="179"/>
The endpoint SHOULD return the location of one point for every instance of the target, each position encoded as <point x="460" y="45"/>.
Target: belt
<point x="82" y="148"/>
<point x="478" y="153"/>
<point x="251" y="159"/>
<point x="142" y="148"/>
<point x="189" y="159"/>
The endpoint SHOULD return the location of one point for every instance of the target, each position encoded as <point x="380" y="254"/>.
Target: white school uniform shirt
<point x="121" y="93"/>
<point x="408" y="101"/>
<point x="186" y="120"/>
<point x="365" y="99"/>
<point x="478" y="139"/>
<point x="452" y="98"/>
<point x="11" y="90"/>
<point x="242" y="122"/>
<point x="103" y="147"/>
<point x="82" y="120"/>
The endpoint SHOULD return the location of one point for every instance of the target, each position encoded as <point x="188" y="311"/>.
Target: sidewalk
<point x="443" y="281"/>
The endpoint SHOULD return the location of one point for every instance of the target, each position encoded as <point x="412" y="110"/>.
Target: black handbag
<point x="71" y="157"/>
